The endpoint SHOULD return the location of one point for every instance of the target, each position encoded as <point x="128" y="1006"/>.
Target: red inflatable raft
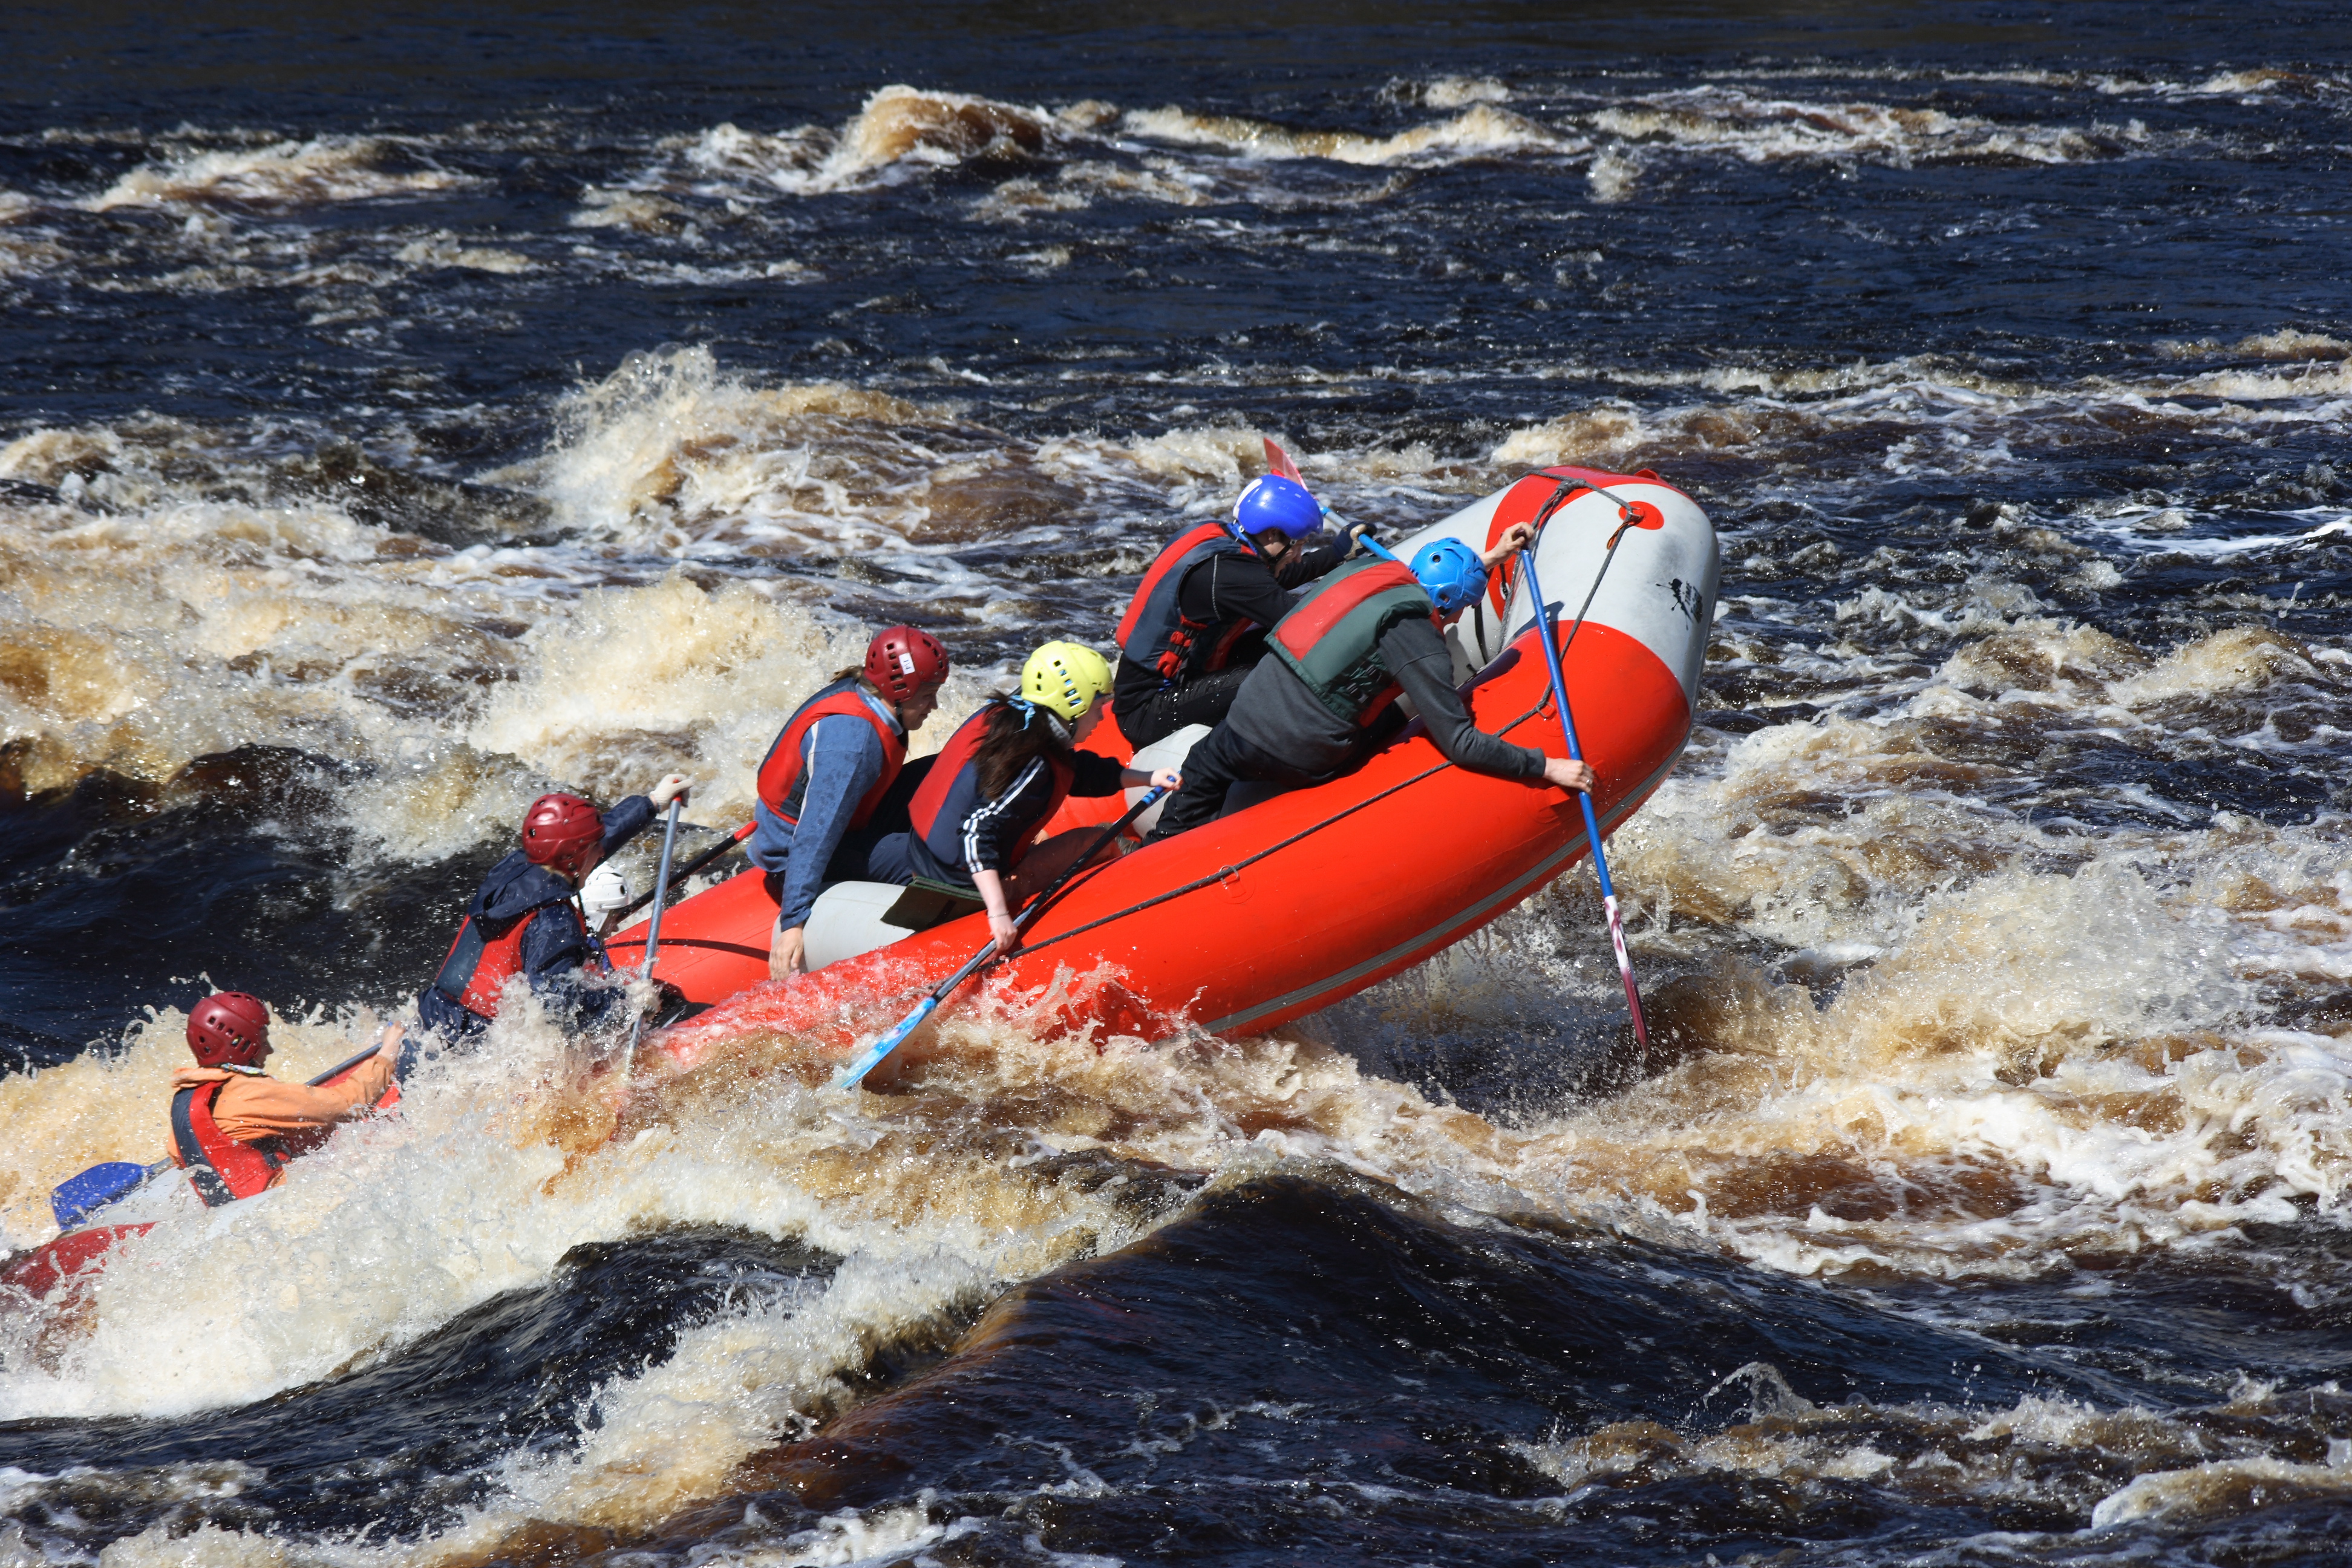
<point x="1298" y="902"/>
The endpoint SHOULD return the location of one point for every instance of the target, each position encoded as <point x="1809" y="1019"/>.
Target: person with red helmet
<point x="526" y="920"/>
<point x="836" y="779"/>
<point x="234" y="1127"/>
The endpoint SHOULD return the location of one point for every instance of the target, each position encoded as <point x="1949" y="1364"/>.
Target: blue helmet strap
<point x="1030" y="710"/>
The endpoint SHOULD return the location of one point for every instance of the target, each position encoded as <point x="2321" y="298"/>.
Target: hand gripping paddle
<point x="653" y="932"/>
<point x="873" y="1055"/>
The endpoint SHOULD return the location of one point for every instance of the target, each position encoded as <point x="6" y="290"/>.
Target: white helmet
<point x="604" y="890"/>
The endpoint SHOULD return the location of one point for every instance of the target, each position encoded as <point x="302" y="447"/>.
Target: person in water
<point x="1001" y="776"/>
<point x="234" y="1127"/>
<point x="525" y="919"/>
<point x="1369" y="633"/>
<point x="827" y="788"/>
<point x="1198" y="620"/>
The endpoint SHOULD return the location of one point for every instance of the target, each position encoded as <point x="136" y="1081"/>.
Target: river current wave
<point x="376" y="461"/>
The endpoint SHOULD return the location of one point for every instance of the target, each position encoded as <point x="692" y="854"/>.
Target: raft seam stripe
<point x="1566" y="852"/>
<point x="1536" y="710"/>
<point x="1224" y="871"/>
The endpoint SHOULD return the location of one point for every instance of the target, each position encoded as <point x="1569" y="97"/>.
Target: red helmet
<point x="901" y="659"/>
<point x="229" y="1028"/>
<point x="563" y="833"/>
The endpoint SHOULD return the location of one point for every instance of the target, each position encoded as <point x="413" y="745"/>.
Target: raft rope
<point x="1627" y="516"/>
<point x="1221" y="873"/>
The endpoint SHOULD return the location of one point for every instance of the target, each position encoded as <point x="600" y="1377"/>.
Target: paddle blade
<point x="872" y="1056"/>
<point x="1278" y="461"/>
<point x="76" y="1199"/>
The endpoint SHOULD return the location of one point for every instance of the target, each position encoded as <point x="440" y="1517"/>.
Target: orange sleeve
<point x="252" y="1108"/>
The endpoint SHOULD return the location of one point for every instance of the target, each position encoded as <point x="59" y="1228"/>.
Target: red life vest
<point x="783" y="778"/>
<point x="221" y="1169"/>
<point x="1156" y="632"/>
<point x="479" y="966"/>
<point x="950" y="794"/>
<point x="1330" y="639"/>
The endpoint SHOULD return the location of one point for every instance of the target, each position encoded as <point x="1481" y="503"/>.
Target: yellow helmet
<point x="1065" y="677"/>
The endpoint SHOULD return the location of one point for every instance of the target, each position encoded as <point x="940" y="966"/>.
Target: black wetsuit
<point x="1218" y="592"/>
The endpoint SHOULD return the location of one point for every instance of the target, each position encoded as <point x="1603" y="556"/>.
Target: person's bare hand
<point x="1562" y="773"/>
<point x="1514" y="540"/>
<point x="1167" y="778"/>
<point x="788" y="953"/>
<point x="1007" y="934"/>
<point x="674" y="787"/>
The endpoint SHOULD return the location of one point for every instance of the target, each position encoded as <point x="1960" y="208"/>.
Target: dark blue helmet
<point x="1282" y="505"/>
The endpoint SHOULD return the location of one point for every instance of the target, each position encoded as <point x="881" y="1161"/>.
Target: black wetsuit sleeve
<point x="1416" y="655"/>
<point x="996" y="827"/>
<point x="1310" y="562"/>
<point x="1092" y="774"/>
<point x="1227" y="588"/>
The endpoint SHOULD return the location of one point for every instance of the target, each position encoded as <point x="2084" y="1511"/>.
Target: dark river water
<point x="406" y="411"/>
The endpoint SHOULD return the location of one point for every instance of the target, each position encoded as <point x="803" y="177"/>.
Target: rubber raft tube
<point x="1311" y="896"/>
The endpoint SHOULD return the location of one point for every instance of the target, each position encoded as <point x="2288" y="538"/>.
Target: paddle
<point x="690" y="868"/>
<point x="874" y="1054"/>
<point x="76" y="1198"/>
<point x="1591" y="822"/>
<point x="653" y="932"/>
<point x="1279" y="462"/>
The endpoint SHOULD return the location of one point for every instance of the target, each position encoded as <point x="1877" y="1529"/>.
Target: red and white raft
<point x="1311" y="896"/>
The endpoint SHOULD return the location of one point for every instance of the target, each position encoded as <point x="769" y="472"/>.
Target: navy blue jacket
<point x="554" y="952"/>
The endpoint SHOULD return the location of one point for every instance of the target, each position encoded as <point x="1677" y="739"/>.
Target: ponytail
<point x="1019" y="732"/>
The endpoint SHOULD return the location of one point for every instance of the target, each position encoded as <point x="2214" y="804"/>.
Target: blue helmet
<point x="1452" y="572"/>
<point x="1282" y="505"/>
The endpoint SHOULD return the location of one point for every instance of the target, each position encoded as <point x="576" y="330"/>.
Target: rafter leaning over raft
<point x="525" y="919"/>
<point x="1365" y="636"/>
<point x="1198" y="620"/>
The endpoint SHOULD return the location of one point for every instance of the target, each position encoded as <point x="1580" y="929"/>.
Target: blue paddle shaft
<point x="1550" y="640"/>
<point x="872" y="1056"/>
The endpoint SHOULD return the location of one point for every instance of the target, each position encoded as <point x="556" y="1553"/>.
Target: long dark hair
<point x="1018" y="733"/>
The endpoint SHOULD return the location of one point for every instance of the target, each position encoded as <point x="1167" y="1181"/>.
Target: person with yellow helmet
<point x="1001" y="776"/>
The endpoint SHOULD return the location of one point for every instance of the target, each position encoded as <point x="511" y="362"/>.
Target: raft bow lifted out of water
<point x="1309" y="897"/>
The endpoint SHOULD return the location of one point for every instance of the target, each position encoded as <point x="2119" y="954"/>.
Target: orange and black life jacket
<point x="950" y="794"/>
<point x="1155" y="631"/>
<point x="221" y="1169"/>
<point x="784" y="774"/>
<point x="479" y="964"/>
<point x="1330" y="639"/>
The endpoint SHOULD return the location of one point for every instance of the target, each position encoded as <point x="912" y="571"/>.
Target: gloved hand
<point x="674" y="787"/>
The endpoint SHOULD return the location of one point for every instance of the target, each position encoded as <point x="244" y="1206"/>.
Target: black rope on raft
<point x="1223" y="872"/>
<point x="1567" y="491"/>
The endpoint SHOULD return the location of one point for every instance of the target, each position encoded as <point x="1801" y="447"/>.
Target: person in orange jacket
<point x="234" y="1127"/>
